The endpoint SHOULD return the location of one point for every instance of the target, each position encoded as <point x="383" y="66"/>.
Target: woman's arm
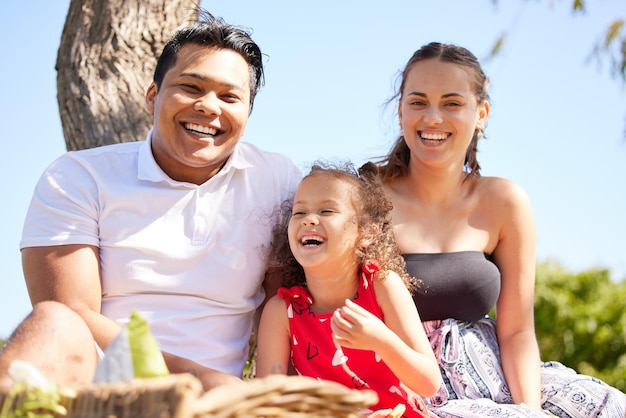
<point x="273" y="348"/>
<point x="400" y="341"/>
<point x="515" y="257"/>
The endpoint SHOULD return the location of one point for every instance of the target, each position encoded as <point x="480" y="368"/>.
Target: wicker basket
<point x="283" y="396"/>
<point x="180" y="396"/>
<point x="163" y="397"/>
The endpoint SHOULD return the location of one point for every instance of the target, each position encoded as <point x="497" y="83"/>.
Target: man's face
<point x="200" y="112"/>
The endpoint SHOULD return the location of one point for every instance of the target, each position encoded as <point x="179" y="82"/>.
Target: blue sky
<point x="557" y="123"/>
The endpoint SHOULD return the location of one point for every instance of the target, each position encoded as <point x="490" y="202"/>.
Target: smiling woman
<point x="471" y="240"/>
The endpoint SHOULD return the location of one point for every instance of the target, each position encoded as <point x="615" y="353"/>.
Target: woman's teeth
<point x="434" y="137"/>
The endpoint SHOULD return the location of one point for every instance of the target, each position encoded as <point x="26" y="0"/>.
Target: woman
<point x="471" y="241"/>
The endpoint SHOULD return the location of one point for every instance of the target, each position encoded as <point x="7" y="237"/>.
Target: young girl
<point x="345" y="312"/>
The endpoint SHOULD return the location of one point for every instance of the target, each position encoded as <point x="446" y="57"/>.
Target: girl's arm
<point x="400" y="341"/>
<point x="273" y="349"/>
<point x="515" y="257"/>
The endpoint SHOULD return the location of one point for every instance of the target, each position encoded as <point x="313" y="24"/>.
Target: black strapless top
<point x="462" y="285"/>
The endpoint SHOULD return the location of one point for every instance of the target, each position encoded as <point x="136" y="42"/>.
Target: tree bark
<point x="105" y="62"/>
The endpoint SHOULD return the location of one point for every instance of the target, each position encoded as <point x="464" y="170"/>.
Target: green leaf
<point x="147" y="358"/>
<point x="578" y="5"/>
<point x="613" y="32"/>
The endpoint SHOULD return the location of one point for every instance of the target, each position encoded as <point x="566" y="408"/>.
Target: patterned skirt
<point x="474" y="386"/>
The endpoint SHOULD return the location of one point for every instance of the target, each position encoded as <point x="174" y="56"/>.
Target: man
<point x="175" y="226"/>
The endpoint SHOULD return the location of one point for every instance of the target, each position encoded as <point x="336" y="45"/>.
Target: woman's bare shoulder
<point x="502" y="191"/>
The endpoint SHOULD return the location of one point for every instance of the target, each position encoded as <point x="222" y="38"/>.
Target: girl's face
<point x="323" y="229"/>
<point x="438" y="112"/>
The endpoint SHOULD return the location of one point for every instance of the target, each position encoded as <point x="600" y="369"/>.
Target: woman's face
<point x="438" y="113"/>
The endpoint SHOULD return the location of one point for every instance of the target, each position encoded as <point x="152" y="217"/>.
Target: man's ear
<point x="151" y="94"/>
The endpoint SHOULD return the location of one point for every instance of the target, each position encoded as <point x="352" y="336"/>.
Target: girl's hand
<point x="385" y="413"/>
<point x="355" y="327"/>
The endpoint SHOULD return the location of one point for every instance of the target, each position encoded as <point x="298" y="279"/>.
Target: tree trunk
<point x="105" y="63"/>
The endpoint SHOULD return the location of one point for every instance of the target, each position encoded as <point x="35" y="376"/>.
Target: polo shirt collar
<point x="148" y="169"/>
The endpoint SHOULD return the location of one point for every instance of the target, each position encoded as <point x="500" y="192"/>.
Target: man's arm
<point x="69" y="274"/>
<point x="210" y="378"/>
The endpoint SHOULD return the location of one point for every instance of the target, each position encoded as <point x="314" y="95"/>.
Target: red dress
<point x="314" y="353"/>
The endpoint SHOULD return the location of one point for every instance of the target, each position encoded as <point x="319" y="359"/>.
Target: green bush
<point x="580" y="321"/>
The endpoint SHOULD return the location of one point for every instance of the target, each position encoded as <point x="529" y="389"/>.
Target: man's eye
<point x="190" y="87"/>
<point x="230" y="97"/>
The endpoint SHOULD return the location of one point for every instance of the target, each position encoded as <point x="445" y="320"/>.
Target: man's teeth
<point x="200" y="129"/>
<point x="434" y="136"/>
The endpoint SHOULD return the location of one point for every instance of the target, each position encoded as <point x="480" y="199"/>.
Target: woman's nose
<point x="432" y="115"/>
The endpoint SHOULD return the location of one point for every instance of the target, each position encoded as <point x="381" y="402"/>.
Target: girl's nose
<point x="310" y="220"/>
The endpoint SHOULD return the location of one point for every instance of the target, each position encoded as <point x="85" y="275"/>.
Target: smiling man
<point x="174" y="227"/>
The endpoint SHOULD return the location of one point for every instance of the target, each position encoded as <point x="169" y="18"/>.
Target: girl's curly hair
<point x="376" y="242"/>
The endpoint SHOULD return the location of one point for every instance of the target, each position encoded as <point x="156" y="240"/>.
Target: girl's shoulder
<point x="275" y="302"/>
<point x="387" y="280"/>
